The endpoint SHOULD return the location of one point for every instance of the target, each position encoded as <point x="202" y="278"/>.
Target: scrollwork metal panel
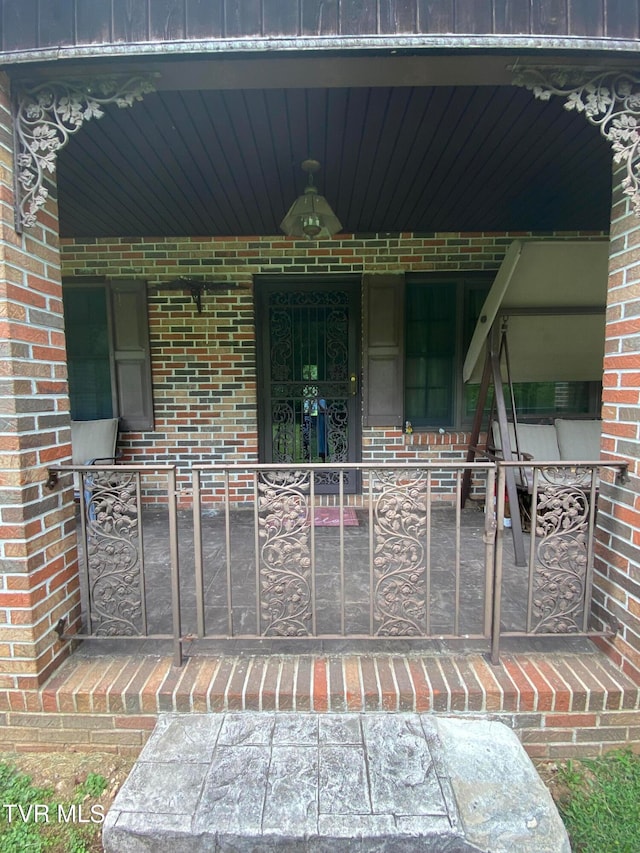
<point x="400" y="534"/>
<point x="560" y="575"/>
<point x="285" y="555"/>
<point x="46" y="117"/>
<point x="114" y="554"/>
<point x="609" y="99"/>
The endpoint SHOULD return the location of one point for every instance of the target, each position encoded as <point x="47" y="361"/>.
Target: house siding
<point x="617" y="561"/>
<point x="38" y="560"/>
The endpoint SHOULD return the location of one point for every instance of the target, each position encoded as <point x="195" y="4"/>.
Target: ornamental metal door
<point x="309" y="376"/>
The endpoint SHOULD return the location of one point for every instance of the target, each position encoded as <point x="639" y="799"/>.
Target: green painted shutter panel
<point x="131" y="354"/>
<point x="383" y="379"/>
<point x="88" y="357"/>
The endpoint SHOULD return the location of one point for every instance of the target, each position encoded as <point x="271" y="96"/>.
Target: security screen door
<point x="308" y="362"/>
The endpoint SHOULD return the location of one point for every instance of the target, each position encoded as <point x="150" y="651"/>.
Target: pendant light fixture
<point x="310" y="215"/>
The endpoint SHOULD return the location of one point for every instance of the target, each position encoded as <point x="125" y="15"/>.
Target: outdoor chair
<point x="92" y="443"/>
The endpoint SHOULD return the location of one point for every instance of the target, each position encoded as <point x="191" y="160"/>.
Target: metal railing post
<point x="497" y="572"/>
<point x="175" y="568"/>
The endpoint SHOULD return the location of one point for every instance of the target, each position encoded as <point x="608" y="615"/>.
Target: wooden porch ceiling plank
<point x="280" y="122"/>
<point x="355" y="120"/>
<point x="105" y="165"/>
<point x="93" y="218"/>
<point x="507" y="140"/>
<point x="410" y="114"/>
<point x="590" y="183"/>
<point x="386" y="153"/>
<point x="196" y="148"/>
<point x="222" y="154"/>
<point x="468" y="156"/>
<point x="540" y="169"/>
<point x="430" y="138"/>
<point x="367" y="145"/>
<point x="463" y="120"/>
<point x="392" y="160"/>
<point x="331" y="175"/>
<point x="266" y="112"/>
<point x="176" y="145"/>
<point x="532" y="147"/>
<point x="251" y="140"/>
<point x="139" y="130"/>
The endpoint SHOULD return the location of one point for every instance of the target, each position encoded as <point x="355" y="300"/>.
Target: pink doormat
<point x="329" y="516"/>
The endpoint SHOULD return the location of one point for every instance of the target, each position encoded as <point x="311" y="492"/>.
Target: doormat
<point x="329" y="516"/>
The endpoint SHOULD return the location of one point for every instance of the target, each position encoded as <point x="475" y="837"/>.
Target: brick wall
<point x="204" y="369"/>
<point x="617" y="564"/>
<point x="38" y="581"/>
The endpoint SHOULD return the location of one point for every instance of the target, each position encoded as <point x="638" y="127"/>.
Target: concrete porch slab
<point x="332" y="782"/>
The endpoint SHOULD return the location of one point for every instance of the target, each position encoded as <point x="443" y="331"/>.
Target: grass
<point x="38" y="822"/>
<point x="600" y="803"/>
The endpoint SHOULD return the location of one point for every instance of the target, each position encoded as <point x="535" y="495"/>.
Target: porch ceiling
<point x="404" y="158"/>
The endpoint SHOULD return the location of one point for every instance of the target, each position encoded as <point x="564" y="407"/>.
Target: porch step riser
<point x="559" y="704"/>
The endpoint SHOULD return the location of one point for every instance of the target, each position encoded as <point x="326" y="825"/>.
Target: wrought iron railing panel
<point x="563" y="517"/>
<point x="273" y="560"/>
<point x="114" y="557"/>
<point x="399" y="558"/>
<point x="286" y="606"/>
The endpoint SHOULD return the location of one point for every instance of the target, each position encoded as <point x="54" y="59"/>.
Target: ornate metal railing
<point x="259" y="557"/>
<point x="559" y="511"/>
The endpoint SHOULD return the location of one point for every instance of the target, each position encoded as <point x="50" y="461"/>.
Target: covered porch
<point x="151" y="284"/>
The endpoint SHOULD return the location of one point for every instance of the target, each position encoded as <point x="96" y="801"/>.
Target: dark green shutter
<point x="383" y="379"/>
<point x="131" y="354"/>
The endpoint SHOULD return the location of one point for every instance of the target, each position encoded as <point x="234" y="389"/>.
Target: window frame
<point x="141" y="420"/>
<point x="464" y="282"/>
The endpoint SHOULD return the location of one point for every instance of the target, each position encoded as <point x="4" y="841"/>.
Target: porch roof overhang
<point x="408" y="143"/>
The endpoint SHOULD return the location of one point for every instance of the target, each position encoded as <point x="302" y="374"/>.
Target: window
<point x="440" y="316"/>
<point x="108" y="359"/>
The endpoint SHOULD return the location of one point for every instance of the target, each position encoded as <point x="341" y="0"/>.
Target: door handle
<point x="353" y="384"/>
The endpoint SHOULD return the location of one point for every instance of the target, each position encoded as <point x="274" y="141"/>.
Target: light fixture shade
<point x="310" y="215"/>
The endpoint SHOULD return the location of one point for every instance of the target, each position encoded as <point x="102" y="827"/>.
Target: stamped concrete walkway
<point x="327" y="783"/>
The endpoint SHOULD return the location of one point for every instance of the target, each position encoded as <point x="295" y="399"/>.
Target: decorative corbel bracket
<point x="45" y="116"/>
<point x="609" y="99"/>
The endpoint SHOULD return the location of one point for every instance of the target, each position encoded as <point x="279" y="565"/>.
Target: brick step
<point x="554" y="699"/>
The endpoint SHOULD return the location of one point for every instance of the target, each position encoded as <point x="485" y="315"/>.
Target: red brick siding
<point x="38" y="585"/>
<point x="617" y="564"/>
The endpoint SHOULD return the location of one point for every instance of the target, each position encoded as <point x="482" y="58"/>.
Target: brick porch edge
<point x="560" y="705"/>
